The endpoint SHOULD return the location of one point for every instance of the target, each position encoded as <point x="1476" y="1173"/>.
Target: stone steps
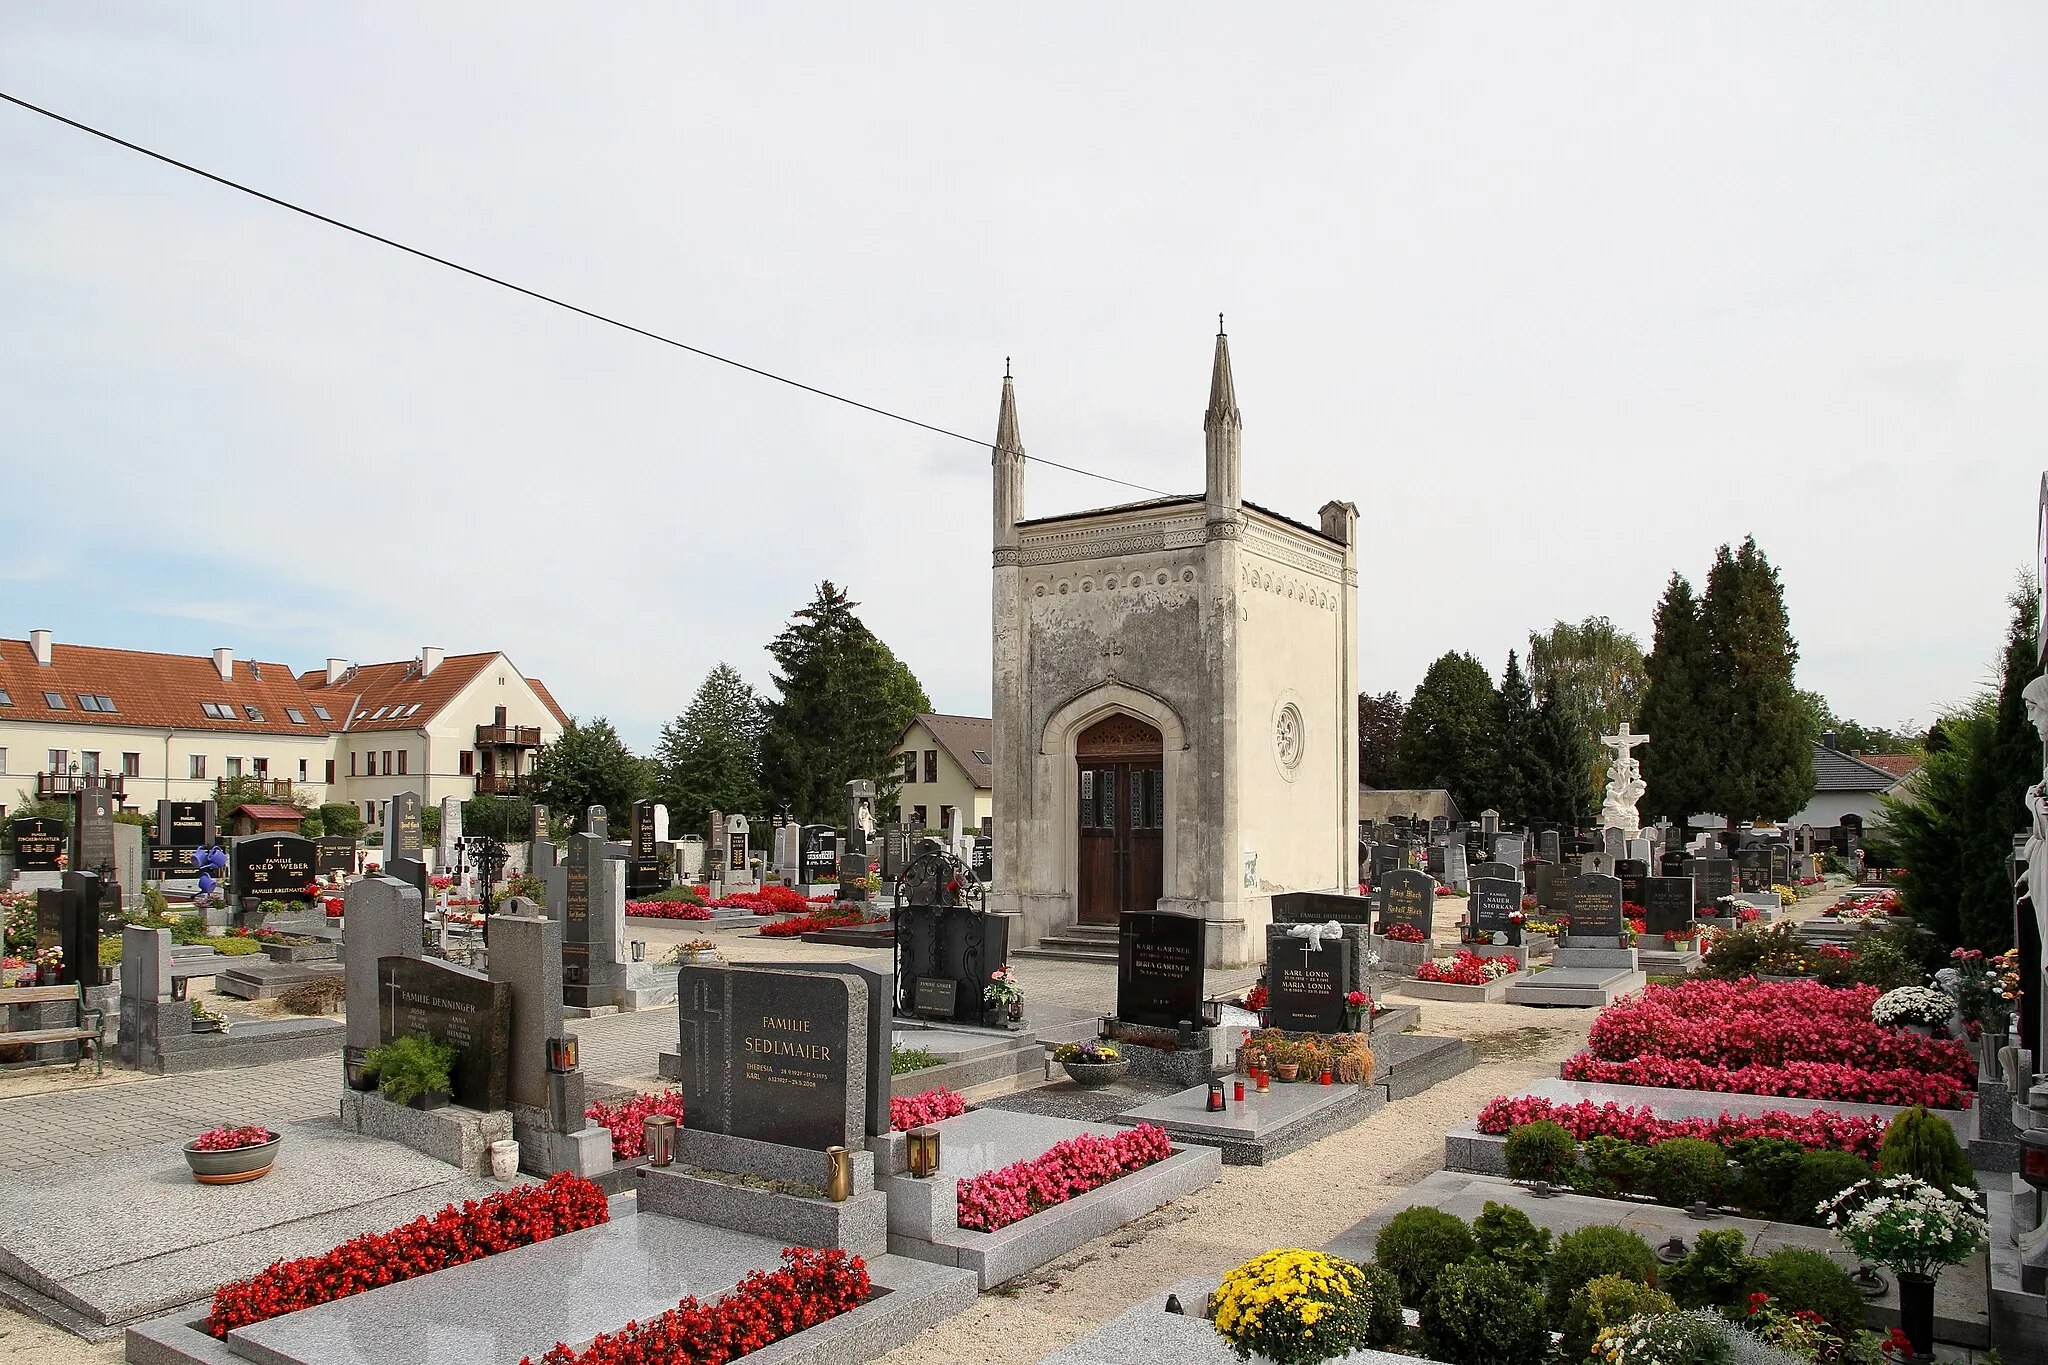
<point x="1076" y="943"/>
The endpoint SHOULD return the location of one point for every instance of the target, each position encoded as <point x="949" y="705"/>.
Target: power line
<point x="545" y="298"/>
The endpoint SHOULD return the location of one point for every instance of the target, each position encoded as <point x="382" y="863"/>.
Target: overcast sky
<point x="1561" y="296"/>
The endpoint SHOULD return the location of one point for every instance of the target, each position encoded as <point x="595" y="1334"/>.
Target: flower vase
<point x="1354" y="1021"/>
<point x="1916" y="1312"/>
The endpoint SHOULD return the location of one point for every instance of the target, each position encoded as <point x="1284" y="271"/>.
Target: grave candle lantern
<point x="1262" y="1080"/>
<point x="1237" y="1091"/>
<point x="1215" y="1097"/>
<point x="923" y="1146"/>
<point x="658" y="1136"/>
<point x="562" y="1054"/>
<point x="639" y="947"/>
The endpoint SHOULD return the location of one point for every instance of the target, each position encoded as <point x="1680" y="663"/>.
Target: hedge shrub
<point x="1585" y="1255"/>
<point x="1607" y="1301"/>
<point x="1542" y="1150"/>
<point x="1415" y="1246"/>
<point x="1483" y="1314"/>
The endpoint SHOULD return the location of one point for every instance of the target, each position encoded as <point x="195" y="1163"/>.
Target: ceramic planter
<point x="1093" y="1075"/>
<point x="1287" y="1071"/>
<point x="234" y="1166"/>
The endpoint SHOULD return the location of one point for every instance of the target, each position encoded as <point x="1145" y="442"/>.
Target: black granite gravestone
<point x="1159" y="968"/>
<point x="957" y="945"/>
<point x="1594" y="903"/>
<point x="1493" y="899"/>
<point x="1753" y="869"/>
<point x="584" y="850"/>
<point x="643" y="868"/>
<point x="1631" y="872"/>
<point x="774" y="1055"/>
<point x="1495" y="869"/>
<point x="38" y="843"/>
<point x="1547" y="883"/>
<point x="1712" y="878"/>
<point x="96" y="830"/>
<point x="185" y="824"/>
<point x="1547" y="845"/>
<point x="1305" y="990"/>
<point x="1667" y="906"/>
<point x="1320" y="907"/>
<point x="272" y="866"/>
<point x="454" y="1005"/>
<point x="334" y="853"/>
<point x="1408" y="897"/>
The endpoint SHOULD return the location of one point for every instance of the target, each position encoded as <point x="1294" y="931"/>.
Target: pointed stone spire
<point x="1008" y="459"/>
<point x="1222" y="426"/>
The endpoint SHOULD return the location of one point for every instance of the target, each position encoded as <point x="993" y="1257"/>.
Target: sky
<point x="1562" y="296"/>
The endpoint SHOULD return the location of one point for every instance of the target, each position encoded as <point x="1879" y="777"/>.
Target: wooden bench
<point x="81" y="1031"/>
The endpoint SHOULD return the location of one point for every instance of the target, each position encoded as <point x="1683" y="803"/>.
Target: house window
<point x="351" y="763"/>
<point x="253" y="712"/>
<point x="95" y="701"/>
<point x="330" y="772"/>
<point x="980" y="755"/>
<point x="321" y="712"/>
<point x="931" y="765"/>
<point x="401" y="761"/>
<point x="988" y="827"/>
<point x="5" y="699"/>
<point x="3" y="760"/>
<point x="910" y="766"/>
<point x="89" y="762"/>
<point x="946" y="818"/>
<point x="261" y="766"/>
<point x="196" y="768"/>
<point x="369" y="812"/>
<point x="387" y="763"/>
<point x="218" y="710"/>
<point x="465" y="763"/>
<point x="917" y="818"/>
<point x="234" y="767"/>
<point x="131" y="765"/>
<point x="54" y="700"/>
<point x="60" y="761"/>
<point x="295" y="715"/>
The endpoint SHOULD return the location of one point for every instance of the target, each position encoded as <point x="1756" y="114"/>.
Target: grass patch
<point x="231" y="945"/>
<point x="904" y="1060"/>
<point x="1513" y="1043"/>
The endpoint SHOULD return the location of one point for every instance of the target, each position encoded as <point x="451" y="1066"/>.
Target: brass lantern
<point x="924" y="1151"/>
<point x="658" y="1135"/>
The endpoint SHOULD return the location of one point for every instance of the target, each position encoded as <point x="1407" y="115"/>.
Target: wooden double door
<point x="1122" y="813"/>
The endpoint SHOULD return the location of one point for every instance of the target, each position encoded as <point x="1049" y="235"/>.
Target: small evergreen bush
<point x="1483" y="1314"/>
<point x="1415" y="1246"/>
<point x="1765" y="1171"/>
<point x="1798" y="1278"/>
<point x="1607" y="1302"/>
<point x="1584" y="1256"/>
<point x="409" y="1067"/>
<point x="1685" y="1170"/>
<point x="1505" y="1236"/>
<point x="1822" y="1176"/>
<point x="1542" y="1150"/>
<point x="1717" y="1274"/>
<point x="1615" y="1166"/>
<point x="1920" y="1143"/>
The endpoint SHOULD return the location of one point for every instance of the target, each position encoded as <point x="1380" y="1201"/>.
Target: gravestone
<point x="585" y="852"/>
<point x="413" y="873"/>
<point x="272" y="866"/>
<point x="402" y="828"/>
<point x="1712" y="878"/>
<point x="1305" y="990"/>
<point x="454" y="1005"/>
<point x="1614" y="843"/>
<point x="1595" y="906"/>
<point x="1547" y="883"/>
<point x="1489" y="823"/>
<point x="820" y="854"/>
<point x="661" y="824"/>
<point x="1632" y="874"/>
<point x="1753" y="869"/>
<point x="96" y="831"/>
<point x="126" y="892"/>
<point x="1159" y="969"/>
<point x="774" y="1055"/>
<point x="1321" y="907"/>
<point x="38" y="844"/>
<point x="84" y="898"/>
<point x="1495" y="869"/>
<point x="1510" y="850"/>
<point x="385" y="918"/>
<point x="880" y="988"/>
<point x="451" y="835"/>
<point x="1493" y="900"/>
<point x="334" y="853"/>
<point x="526" y="954"/>
<point x="172" y="862"/>
<point x="1671" y="863"/>
<point x="539" y="832"/>
<point x="1547" y="846"/>
<point x="1455" y="873"/>
<point x="186" y="824"/>
<point x="1387" y="858"/>
<point x="1781" y="863"/>
<point x="945" y="952"/>
<point x="1667" y="905"/>
<point x="983" y="863"/>
<point x="643" y="877"/>
<point x="1408" y="897"/>
<point x="597" y="822"/>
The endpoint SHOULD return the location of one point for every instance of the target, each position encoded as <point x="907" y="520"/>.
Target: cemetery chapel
<point x="1175" y="701"/>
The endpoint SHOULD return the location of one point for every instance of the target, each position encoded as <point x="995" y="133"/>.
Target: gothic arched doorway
<point x="1122" y="812"/>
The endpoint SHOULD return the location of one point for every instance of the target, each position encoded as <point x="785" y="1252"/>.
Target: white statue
<point x="1625" y="785"/>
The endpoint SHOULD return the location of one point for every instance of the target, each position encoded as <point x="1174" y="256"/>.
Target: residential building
<point x="947" y="773"/>
<point x="1849" y="784"/>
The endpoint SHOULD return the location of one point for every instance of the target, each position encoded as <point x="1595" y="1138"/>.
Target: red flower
<point x="667" y="910"/>
<point x="625" y="1121"/>
<point x="1255" y="998"/>
<point x="231" y="1139"/>
<point x="1820" y="1130"/>
<point x="996" y="1199"/>
<point x="914" y="1111"/>
<point x="1401" y="933"/>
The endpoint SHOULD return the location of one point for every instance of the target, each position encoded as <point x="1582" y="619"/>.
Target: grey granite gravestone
<point x="95" y="831"/>
<point x="1510" y="850"/>
<point x="457" y="1006"/>
<point x="384" y="918"/>
<point x="1613" y="843"/>
<point x="128" y="864"/>
<point x="1547" y="883"/>
<point x="881" y="1035"/>
<point x="774" y="1055"/>
<point x="1456" y="874"/>
<point x="1594" y="903"/>
<point x="1496" y="870"/>
<point x="1547" y="846"/>
<point x="547" y="1106"/>
<point x="596" y="821"/>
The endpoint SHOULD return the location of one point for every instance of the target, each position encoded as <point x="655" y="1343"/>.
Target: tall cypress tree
<point x="1561" y="776"/>
<point x="1678" y="761"/>
<point x="1445" y="729"/>
<point x="1512" y="751"/>
<point x="1762" y="762"/>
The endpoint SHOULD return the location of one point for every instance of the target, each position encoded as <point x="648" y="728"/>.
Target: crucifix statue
<point x="1625" y="784"/>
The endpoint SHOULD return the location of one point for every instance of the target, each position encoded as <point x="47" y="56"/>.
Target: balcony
<point x="276" y="788"/>
<point x="507" y="737"/>
<point x="501" y="784"/>
<point x="52" y="785"/>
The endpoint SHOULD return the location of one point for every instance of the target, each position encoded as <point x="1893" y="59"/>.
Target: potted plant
<point x="1917" y="1009"/>
<point x="412" y="1070"/>
<point x="205" y="1020"/>
<point x="1091" y="1064"/>
<point x="228" y="1155"/>
<point x="1001" y="996"/>
<point x="49" y="965"/>
<point x="1357" y="1009"/>
<point x="1296" y="1307"/>
<point x="1912" y="1229"/>
<point x="1285" y="1059"/>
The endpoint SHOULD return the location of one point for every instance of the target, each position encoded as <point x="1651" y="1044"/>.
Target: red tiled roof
<point x="256" y="812"/>
<point x="406" y="699"/>
<point x="155" y="690"/>
<point x="547" y="699"/>
<point x="1898" y="765"/>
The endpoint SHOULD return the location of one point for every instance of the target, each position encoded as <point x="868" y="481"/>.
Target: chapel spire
<point x="1008" y="460"/>
<point x="1222" y="427"/>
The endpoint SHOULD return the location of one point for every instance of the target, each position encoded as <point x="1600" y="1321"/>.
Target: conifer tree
<point x="1512" y="749"/>
<point x="1445" y="730"/>
<point x="845" y="701"/>
<point x="1760" y="761"/>
<point x="1677" y="762"/>
<point x="709" y="757"/>
<point x="1561" y="780"/>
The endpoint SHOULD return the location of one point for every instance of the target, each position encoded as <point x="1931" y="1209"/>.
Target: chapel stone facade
<point x="1175" y="701"/>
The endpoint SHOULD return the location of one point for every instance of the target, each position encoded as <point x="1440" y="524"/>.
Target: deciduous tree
<point x="1445" y="730"/>
<point x="588" y="765"/>
<point x="1379" y="739"/>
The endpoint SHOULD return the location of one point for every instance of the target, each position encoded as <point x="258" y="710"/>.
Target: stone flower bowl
<point x="1094" y="1075"/>
<point x="235" y="1165"/>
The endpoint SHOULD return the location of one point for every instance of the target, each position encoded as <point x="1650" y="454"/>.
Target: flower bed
<point x="1401" y="933"/>
<point x="624" y="1121"/>
<point x="1792" y="1038"/>
<point x="1466" y="968"/>
<point x="805" y="924"/>
<point x="667" y="910"/>
<point x="811" y="1287"/>
<point x="1821" y="1130"/>
<point x="914" y="1111"/>
<point x="457" y="1234"/>
<point x="996" y="1199"/>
